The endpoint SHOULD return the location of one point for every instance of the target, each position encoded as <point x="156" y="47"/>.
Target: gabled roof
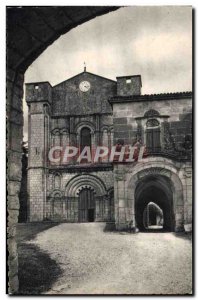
<point x="86" y="73"/>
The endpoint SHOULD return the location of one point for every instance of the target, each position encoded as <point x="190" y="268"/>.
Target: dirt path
<point x="97" y="262"/>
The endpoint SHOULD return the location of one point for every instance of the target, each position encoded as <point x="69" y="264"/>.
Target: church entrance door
<point x="86" y="211"/>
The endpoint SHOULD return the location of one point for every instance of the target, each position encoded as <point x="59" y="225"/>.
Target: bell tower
<point x="38" y="97"/>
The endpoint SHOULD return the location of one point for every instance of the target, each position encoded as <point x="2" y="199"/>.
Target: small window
<point x="128" y="81"/>
<point x="36" y="87"/>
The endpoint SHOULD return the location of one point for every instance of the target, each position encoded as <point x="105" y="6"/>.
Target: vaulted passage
<point x="154" y="204"/>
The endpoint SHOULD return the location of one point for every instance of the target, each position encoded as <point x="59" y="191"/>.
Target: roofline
<point x="129" y="77"/>
<point x="38" y="82"/>
<point x="84" y="73"/>
<point x="151" y="97"/>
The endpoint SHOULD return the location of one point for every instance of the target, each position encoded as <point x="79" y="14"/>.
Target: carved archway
<point x="76" y="191"/>
<point x="78" y="182"/>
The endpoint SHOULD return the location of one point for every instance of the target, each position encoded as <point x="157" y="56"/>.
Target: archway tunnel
<point x="154" y="204"/>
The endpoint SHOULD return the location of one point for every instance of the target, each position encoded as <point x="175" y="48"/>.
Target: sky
<point x="153" y="41"/>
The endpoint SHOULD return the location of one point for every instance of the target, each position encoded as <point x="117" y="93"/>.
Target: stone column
<point x="14" y="168"/>
<point x="93" y="144"/>
<point x="120" y="197"/>
<point x="188" y="198"/>
<point x="105" y="142"/>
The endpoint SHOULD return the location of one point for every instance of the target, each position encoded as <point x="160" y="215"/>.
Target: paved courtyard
<point x="98" y="262"/>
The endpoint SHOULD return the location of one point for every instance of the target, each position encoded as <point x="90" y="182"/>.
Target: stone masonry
<point x="114" y="112"/>
<point x="30" y="31"/>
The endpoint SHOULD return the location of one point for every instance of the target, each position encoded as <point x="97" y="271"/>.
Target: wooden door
<point x="86" y="206"/>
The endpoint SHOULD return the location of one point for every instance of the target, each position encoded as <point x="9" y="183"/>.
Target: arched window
<point x="153" y="136"/>
<point x="85" y="138"/>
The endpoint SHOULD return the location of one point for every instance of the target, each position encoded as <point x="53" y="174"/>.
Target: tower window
<point x="85" y="138"/>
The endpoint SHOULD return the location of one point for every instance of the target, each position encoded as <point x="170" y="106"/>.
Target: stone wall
<point x="68" y="99"/>
<point x="127" y="177"/>
<point x="30" y="31"/>
<point x="129" y="85"/>
<point x="14" y="168"/>
<point x="174" y="116"/>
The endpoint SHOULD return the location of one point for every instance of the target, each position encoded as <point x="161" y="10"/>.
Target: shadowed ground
<point x="96" y="262"/>
<point x="37" y="271"/>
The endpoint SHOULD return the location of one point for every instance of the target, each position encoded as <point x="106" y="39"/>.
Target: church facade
<point x="88" y="110"/>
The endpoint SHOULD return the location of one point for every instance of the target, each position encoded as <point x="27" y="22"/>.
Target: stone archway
<point x="171" y="180"/>
<point x="78" y="182"/>
<point x="30" y="30"/>
<point x="87" y="193"/>
<point x="154" y="189"/>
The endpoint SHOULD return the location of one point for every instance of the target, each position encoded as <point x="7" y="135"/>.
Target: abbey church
<point x="90" y="110"/>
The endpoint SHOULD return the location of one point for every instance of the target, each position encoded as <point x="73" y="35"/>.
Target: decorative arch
<point x="55" y="194"/>
<point x="86" y="187"/>
<point x="85" y="137"/>
<point x="152" y="123"/>
<point x="56" y="131"/>
<point x="88" y="124"/>
<point x="110" y="190"/>
<point x="57" y="180"/>
<point x="151" y="113"/>
<point x="78" y="129"/>
<point x="64" y="131"/>
<point x="79" y="182"/>
<point x="56" y="205"/>
<point x="55" y="137"/>
<point x="105" y="127"/>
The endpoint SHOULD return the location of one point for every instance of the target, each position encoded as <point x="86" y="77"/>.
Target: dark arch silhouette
<point x="30" y="30"/>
